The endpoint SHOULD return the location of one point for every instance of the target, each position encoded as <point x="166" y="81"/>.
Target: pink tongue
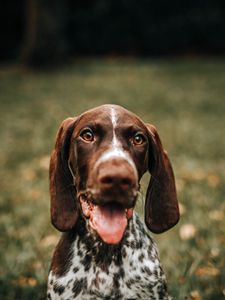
<point x="110" y="222"/>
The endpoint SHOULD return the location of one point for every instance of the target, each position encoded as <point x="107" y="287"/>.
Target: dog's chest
<point x="132" y="271"/>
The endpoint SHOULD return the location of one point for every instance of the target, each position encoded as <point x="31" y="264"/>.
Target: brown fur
<point x="161" y="207"/>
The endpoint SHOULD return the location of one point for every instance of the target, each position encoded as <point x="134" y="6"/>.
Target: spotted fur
<point x="95" y="270"/>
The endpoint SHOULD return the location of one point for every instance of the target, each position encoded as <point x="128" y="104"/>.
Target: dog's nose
<point x="117" y="176"/>
<point x="115" y="180"/>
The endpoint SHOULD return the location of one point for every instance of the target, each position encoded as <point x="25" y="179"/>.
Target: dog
<point x="105" y="251"/>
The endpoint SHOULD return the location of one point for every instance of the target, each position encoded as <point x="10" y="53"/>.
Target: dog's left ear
<point x="161" y="206"/>
<point x="64" y="211"/>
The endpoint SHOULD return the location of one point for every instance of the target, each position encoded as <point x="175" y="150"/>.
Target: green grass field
<point x="184" y="99"/>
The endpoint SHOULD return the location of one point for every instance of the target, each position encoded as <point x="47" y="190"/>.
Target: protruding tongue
<point x="109" y="221"/>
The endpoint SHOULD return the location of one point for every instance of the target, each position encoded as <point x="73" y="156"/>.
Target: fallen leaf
<point x="34" y="194"/>
<point x="44" y="162"/>
<point x="213" y="180"/>
<point x="222" y="239"/>
<point x="181" y="280"/>
<point x="182" y="209"/>
<point x="215" y="252"/>
<point x="199" y="175"/>
<point x="28" y="174"/>
<point x="180" y="183"/>
<point x="216" y="215"/>
<point x="32" y="281"/>
<point x="196" y="174"/>
<point x="194" y="295"/>
<point x="24" y="281"/>
<point x="37" y="265"/>
<point x="49" y="240"/>
<point x="187" y="231"/>
<point x="207" y="271"/>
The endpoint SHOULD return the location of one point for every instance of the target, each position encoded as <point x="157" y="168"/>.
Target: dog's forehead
<point x="110" y="115"/>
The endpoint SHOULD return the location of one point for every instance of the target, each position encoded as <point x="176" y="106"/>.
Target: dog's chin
<point x="108" y="220"/>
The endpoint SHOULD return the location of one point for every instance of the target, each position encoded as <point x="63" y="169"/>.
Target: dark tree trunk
<point x="45" y="39"/>
<point x="30" y="30"/>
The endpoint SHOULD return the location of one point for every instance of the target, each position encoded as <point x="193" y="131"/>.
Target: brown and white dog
<point x="95" y="170"/>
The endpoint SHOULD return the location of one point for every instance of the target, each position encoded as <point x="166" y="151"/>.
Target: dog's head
<point x="95" y="169"/>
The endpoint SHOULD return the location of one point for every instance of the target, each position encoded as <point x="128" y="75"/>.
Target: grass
<point x="185" y="99"/>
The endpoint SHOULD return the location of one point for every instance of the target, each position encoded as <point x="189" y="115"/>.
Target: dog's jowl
<point x="105" y="251"/>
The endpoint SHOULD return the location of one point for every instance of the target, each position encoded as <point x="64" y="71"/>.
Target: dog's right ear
<point x="64" y="211"/>
<point x="161" y="206"/>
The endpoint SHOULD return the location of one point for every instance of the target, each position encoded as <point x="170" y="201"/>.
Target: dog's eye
<point x="138" y="139"/>
<point x="87" y="135"/>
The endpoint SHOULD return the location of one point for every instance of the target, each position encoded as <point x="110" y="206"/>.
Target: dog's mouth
<point x="109" y="220"/>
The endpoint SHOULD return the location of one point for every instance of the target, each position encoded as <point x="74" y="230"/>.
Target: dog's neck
<point x="82" y="244"/>
<point x="105" y="253"/>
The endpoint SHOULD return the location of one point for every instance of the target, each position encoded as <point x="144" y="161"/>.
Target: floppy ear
<point x="161" y="206"/>
<point x="64" y="211"/>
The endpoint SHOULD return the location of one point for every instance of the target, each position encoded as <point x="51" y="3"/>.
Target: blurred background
<point x="163" y="60"/>
<point x="44" y="32"/>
